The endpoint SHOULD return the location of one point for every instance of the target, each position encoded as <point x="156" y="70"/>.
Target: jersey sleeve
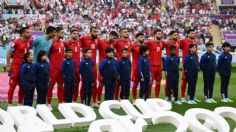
<point x="101" y="67"/>
<point x="22" y="72"/>
<point x="166" y="63"/>
<point x="140" y="67"/>
<point x="186" y="61"/>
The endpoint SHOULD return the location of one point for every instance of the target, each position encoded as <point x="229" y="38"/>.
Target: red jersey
<point x="155" y="52"/>
<point x="56" y="54"/>
<point x="135" y="55"/>
<point x="119" y="45"/>
<point x="19" y="48"/>
<point x="102" y="47"/>
<point x="75" y="47"/>
<point x="167" y="46"/>
<point x="184" y="45"/>
<point x="88" y="42"/>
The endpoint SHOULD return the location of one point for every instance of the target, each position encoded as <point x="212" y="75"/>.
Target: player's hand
<point x="101" y="78"/>
<point x="8" y="68"/>
<point x="142" y="79"/>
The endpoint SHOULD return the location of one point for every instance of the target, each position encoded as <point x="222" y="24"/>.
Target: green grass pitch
<point x="177" y="108"/>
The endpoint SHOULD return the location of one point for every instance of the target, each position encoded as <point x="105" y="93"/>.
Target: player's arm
<point x="220" y="60"/>
<point x="63" y="69"/>
<point x="9" y="55"/>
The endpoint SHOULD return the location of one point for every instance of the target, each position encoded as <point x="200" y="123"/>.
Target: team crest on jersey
<point x="172" y="59"/>
<point x="28" y="67"/>
<point x="123" y="62"/>
<point x="92" y="46"/>
<point x="41" y="65"/>
<point x="108" y="62"/>
<point x="68" y="63"/>
<point x="225" y="57"/>
<point x="87" y="63"/>
<point x="191" y="57"/>
<point x="208" y="56"/>
<point x="158" y="49"/>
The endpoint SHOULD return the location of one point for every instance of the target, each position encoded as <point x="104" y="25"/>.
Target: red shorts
<point x="15" y="72"/>
<point x="135" y="75"/>
<point x="55" y="77"/>
<point x="156" y="73"/>
<point x="77" y="75"/>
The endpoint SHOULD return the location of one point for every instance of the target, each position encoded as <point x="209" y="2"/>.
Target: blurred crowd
<point x="136" y="15"/>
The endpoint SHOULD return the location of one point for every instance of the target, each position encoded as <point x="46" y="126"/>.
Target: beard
<point x="175" y="39"/>
<point x="74" y="38"/>
<point x="94" y="37"/>
<point x="141" y="41"/>
<point x="192" y="38"/>
<point x="158" y="38"/>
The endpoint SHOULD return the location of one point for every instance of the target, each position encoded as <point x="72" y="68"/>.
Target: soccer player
<point x="108" y="70"/>
<point x="44" y="42"/>
<point x="173" y="40"/>
<point x="113" y="35"/>
<point x="91" y="41"/>
<point x="119" y="45"/>
<point x="17" y="50"/>
<point x="208" y="66"/>
<point x="68" y="73"/>
<point x="124" y="71"/>
<point x="27" y="77"/>
<point x="224" y="69"/>
<point x="191" y="68"/>
<point x="42" y="70"/>
<point x="135" y="56"/>
<point x="74" y="44"/>
<point x="184" y="45"/>
<point x="144" y="70"/>
<point x="171" y="68"/>
<point x="56" y="56"/>
<point x="86" y="71"/>
<point x="155" y="48"/>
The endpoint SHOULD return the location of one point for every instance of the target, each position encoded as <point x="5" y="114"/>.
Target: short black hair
<point x="58" y="29"/>
<point x="73" y="30"/>
<point x="190" y="30"/>
<point x="157" y="30"/>
<point x="172" y="47"/>
<point x="209" y="44"/>
<point x="226" y="44"/>
<point x="92" y="28"/>
<point x="68" y="50"/>
<point x="41" y="54"/>
<point x="86" y="50"/>
<point x="50" y="29"/>
<point x="191" y="46"/>
<point x="26" y="56"/>
<point x="172" y="32"/>
<point x="23" y="29"/>
<point x="143" y="49"/>
<point x="125" y="49"/>
<point x="139" y="34"/>
<point x="108" y="50"/>
<point x="114" y="33"/>
<point x="122" y="29"/>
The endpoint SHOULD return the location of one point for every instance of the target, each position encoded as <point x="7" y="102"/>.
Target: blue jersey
<point x="41" y="43"/>
<point x="171" y="64"/>
<point x="42" y="69"/>
<point x="27" y="72"/>
<point x="86" y="69"/>
<point x="224" y="64"/>
<point x="108" y="68"/>
<point x="124" y="68"/>
<point x="208" y="62"/>
<point x="144" y="67"/>
<point x="191" y="63"/>
<point x="68" y="70"/>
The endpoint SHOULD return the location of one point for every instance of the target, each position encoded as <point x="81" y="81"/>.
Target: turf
<point x="179" y="109"/>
